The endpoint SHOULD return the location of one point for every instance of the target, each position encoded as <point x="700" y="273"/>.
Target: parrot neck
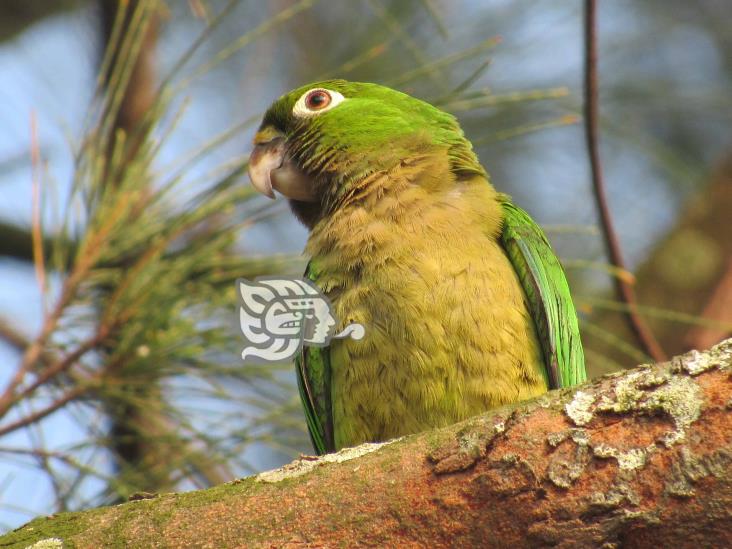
<point x="422" y="198"/>
<point x="360" y="182"/>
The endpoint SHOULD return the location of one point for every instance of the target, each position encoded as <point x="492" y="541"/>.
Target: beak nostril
<point x="267" y="135"/>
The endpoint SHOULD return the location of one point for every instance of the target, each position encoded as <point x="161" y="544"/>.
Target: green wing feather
<point x="313" y="381"/>
<point x="545" y="284"/>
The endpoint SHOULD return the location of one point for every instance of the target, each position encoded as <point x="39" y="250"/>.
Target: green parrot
<point x="464" y="304"/>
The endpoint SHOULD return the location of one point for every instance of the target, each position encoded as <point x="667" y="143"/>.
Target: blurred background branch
<point x="623" y="286"/>
<point x="17" y="15"/>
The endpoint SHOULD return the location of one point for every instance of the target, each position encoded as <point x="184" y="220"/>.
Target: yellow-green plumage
<point x="464" y="304"/>
<point x="449" y="334"/>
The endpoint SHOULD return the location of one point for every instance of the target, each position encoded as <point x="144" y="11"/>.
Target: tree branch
<point x="642" y="458"/>
<point x="623" y="287"/>
<point x="12" y="335"/>
<point x="16" y="15"/>
<point x="17" y="242"/>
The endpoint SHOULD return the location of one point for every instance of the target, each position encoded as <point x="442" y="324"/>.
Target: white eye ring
<point x="304" y="108"/>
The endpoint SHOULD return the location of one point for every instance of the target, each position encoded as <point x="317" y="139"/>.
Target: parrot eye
<point x="315" y="101"/>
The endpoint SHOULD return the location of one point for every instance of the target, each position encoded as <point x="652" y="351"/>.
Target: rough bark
<point x="637" y="459"/>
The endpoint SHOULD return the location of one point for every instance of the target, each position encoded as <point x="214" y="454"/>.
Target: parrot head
<point x="318" y="143"/>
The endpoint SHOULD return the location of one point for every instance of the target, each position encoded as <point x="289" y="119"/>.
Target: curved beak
<point x="265" y="157"/>
<point x="271" y="168"/>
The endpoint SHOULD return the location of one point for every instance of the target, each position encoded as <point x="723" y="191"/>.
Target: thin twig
<point x="40" y="414"/>
<point x="63" y="364"/>
<point x="36" y="232"/>
<point x="12" y="336"/>
<point x="34" y="352"/>
<point x="87" y="256"/>
<point x="623" y="287"/>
